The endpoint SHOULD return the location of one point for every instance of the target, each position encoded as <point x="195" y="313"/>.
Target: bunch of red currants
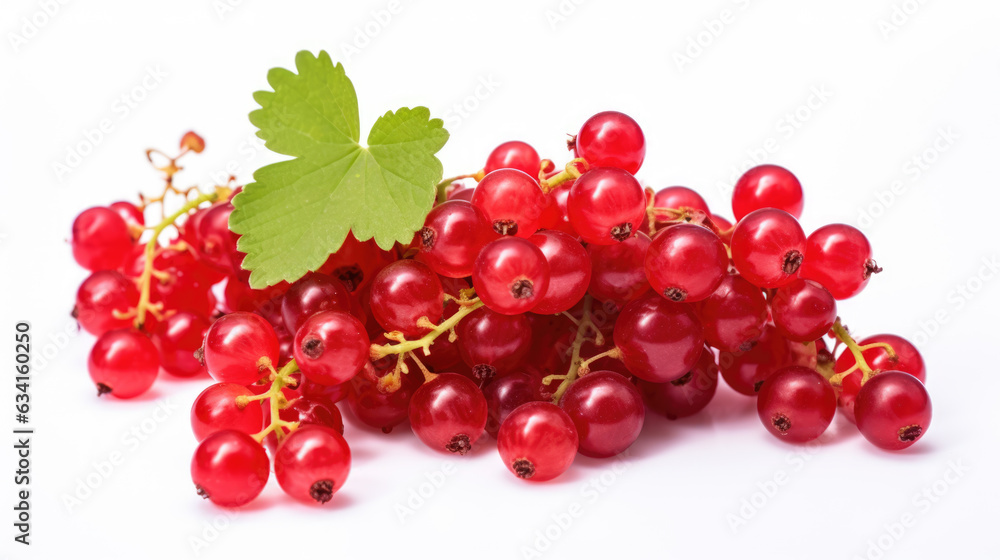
<point x="548" y="307"/>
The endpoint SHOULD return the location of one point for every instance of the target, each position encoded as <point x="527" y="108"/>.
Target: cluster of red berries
<point x="547" y="307"/>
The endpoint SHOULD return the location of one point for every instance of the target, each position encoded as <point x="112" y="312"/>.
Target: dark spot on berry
<point x="459" y="444"/>
<point x="102" y="389"/>
<point x="75" y="313"/>
<point x="782" y="423"/>
<point x="675" y="294"/>
<point x="748" y="345"/>
<point x="199" y="355"/>
<point x="621" y="232"/>
<point x="201" y="491"/>
<point x="505" y="227"/>
<point x="427" y="237"/>
<point x="683" y="380"/>
<point x="793" y="259"/>
<point x="757" y="385"/>
<point x="910" y="433"/>
<point x="484" y="373"/>
<point x="386" y="429"/>
<point x="321" y="491"/>
<point x="521" y="289"/>
<point x="350" y="275"/>
<point x="523" y="468"/>
<point x="312" y="347"/>
<point x="871" y="267"/>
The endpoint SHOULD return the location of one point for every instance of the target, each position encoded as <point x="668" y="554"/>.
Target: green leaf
<point x="297" y="212"/>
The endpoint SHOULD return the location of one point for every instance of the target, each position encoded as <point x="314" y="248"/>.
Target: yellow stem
<point x="584" y="327"/>
<point x="147" y="272"/>
<point x="858" y="351"/>
<point x="379" y="351"/>
<point x="276" y="401"/>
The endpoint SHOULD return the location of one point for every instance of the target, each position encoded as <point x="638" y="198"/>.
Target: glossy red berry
<point x="537" y="441"/>
<point x="239" y="347"/>
<point x="229" y="468"/>
<point x="217" y="409"/>
<point x="312" y="463"/>
<point x="893" y="410"/>
<point x="311" y="294"/>
<point x="659" y="340"/>
<point x="803" y="310"/>
<point x="607" y="411"/>
<point x="448" y="413"/>
<point x="453" y="234"/>
<point x="767" y="186"/>
<point x="569" y="271"/>
<point x="796" y="404"/>
<point x="606" y="205"/>
<point x="512" y="202"/>
<point x="618" y="272"/>
<point x="124" y="363"/>
<point x="102" y="296"/>
<point x="686" y="263"/>
<point x="768" y="247"/>
<point x="839" y="257"/>
<point x="177" y="338"/>
<point x="402" y="293"/>
<point x="331" y="347"/>
<point x="514" y="155"/>
<point x="511" y="275"/>
<point x="734" y="315"/>
<point x="686" y="395"/>
<point x="611" y="139"/>
<point x="101" y="239"/>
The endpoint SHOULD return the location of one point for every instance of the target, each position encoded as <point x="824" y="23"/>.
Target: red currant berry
<point x="538" y="441"/>
<point x="230" y="468"/>
<point x="101" y="239"/>
<point x="514" y="155"/>
<point x="611" y="139"/>
<point x="796" y="404"/>
<point x="511" y="275"/>
<point x="839" y="257"/>
<point x="607" y="411"/>
<point x="331" y="347"/>
<point x="239" y="348"/>
<point x="768" y="247"/>
<point x="606" y="206"/>
<point x="686" y="263"/>
<point x="216" y="409"/>
<point x="893" y="410"/>
<point x="767" y="186"/>
<point x="512" y="202"/>
<point x="312" y="463"/>
<point x="659" y="340"/>
<point x="448" y="413"/>
<point x="123" y="362"/>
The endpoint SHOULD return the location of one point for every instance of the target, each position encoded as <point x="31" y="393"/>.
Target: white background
<point x="868" y="99"/>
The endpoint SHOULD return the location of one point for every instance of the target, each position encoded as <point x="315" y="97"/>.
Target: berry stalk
<point x="577" y="365"/>
<point x="276" y="401"/>
<point x="379" y="351"/>
<point x="145" y="280"/>
<point x="858" y="351"/>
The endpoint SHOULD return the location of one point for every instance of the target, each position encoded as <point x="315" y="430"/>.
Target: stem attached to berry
<point x="145" y="280"/>
<point x="571" y="172"/>
<point x="276" y="401"/>
<point x="379" y="351"/>
<point x="442" y="194"/>
<point x="858" y="351"/>
<point x="577" y="366"/>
